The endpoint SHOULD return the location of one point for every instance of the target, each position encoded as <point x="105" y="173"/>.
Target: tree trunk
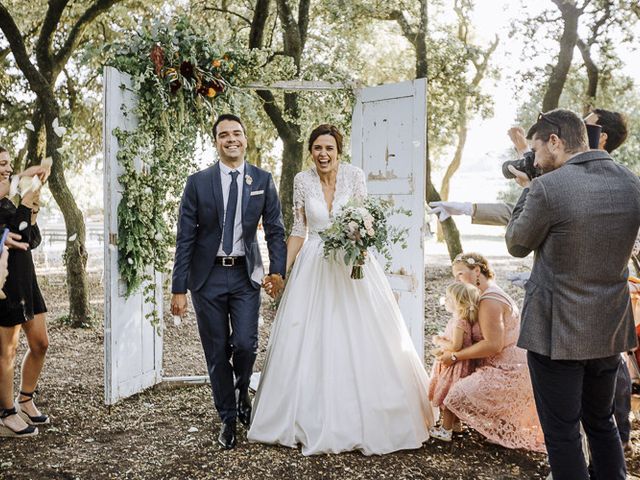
<point x="558" y="77"/>
<point x="254" y="153"/>
<point x="75" y="255"/>
<point x="449" y="229"/>
<point x="592" y="75"/>
<point x="455" y="163"/>
<point x="457" y="158"/>
<point x="291" y="165"/>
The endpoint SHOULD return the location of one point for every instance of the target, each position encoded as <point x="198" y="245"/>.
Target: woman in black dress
<point x="23" y="308"/>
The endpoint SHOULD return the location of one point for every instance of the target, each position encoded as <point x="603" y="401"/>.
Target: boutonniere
<point x="248" y="179"/>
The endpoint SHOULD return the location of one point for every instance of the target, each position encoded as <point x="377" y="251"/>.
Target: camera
<point x="524" y="164"/>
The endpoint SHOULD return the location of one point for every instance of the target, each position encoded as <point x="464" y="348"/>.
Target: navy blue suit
<point x="227" y="299"/>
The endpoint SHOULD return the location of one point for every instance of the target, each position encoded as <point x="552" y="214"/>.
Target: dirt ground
<point x="152" y="435"/>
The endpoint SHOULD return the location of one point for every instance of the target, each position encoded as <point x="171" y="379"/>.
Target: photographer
<point x="613" y="134"/>
<point x="581" y="218"/>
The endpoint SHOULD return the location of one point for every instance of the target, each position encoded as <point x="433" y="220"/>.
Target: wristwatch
<point x="454" y="359"/>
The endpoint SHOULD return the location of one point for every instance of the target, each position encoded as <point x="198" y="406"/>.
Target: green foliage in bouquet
<point x="179" y="76"/>
<point x="361" y="225"/>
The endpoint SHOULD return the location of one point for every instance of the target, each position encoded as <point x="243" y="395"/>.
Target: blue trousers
<point x="566" y="393"/>
<point x="227" y="308"/>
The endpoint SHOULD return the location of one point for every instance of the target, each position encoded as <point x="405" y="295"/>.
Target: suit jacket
<point x="581" y="220"/>
<point x="200" y="227"/>
<point x="491" y="213"/>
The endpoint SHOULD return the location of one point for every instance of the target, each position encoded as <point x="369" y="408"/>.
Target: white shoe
<point x="441" y="433"/>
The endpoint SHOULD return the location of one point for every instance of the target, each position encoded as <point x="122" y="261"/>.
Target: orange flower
<point x="211" y="93"/>
<point x="216" y="63"/>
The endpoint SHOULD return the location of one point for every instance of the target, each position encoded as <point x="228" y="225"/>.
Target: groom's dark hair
<point x="2" y="149"/>
<point x="227" y="116"/>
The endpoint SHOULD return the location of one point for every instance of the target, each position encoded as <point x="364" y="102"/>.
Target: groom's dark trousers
<point x="570" y="391"/>
<point x="227" y="312"/>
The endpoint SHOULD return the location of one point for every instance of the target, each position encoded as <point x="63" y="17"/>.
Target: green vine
<point x="178" y="76"/>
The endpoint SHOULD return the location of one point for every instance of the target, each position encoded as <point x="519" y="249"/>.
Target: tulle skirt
<point x="341" y="372"/>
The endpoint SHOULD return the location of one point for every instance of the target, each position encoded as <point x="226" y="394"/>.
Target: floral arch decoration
<point x="181" y="79"/>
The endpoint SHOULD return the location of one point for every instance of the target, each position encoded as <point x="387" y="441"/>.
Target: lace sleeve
<point x="359" y="184"/>
<point x="299" y="228"/>
<point x="636" y="246"/>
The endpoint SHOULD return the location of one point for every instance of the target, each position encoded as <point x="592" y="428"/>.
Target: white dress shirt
<point x="225" y="176"/>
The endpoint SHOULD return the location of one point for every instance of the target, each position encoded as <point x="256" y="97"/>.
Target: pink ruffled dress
<point x="442" y="377"/>
<point x="497" y="398"/>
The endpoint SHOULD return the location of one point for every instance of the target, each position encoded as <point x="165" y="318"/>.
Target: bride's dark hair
<point x="326" y="129"/>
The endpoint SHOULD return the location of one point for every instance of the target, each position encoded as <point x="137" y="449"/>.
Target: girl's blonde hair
<point x="466" y="298"/>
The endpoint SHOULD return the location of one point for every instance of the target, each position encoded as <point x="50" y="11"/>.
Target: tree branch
<point x="8" y="26"/>
<point x="303" y="21"/>
<point x="593" y="72"/>
<point x="258" y="23"/>
<point x="274" y="113"/>
<point x="290" y="33"/>
<point x="45" y="39"/>
<point x="595" y="29"/>
<point x="230" y="12"/>
<point x="481" y="67"/>
<point x="90" y="14"/>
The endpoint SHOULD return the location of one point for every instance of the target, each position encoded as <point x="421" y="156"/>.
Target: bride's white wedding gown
<point x="341" y="372"/>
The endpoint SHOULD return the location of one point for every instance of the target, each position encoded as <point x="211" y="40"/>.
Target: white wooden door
<point x="132" y="346"/>
<point x="389" y="143"/>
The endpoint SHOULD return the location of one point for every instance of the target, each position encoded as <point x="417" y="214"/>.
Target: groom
<point x="218" y="259"/>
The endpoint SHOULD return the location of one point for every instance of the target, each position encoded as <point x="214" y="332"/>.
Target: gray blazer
<point x="491" y="213"/>
<point x="581" y="220"/>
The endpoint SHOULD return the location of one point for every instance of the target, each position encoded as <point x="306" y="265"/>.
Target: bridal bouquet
<point x="359" y="226"/>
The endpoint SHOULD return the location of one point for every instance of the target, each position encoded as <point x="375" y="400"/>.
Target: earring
<point x="478" y="281"/>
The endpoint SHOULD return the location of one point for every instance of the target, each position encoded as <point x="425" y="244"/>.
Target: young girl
<point x="462" y="301"/>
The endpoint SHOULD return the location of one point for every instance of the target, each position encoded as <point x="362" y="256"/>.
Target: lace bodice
<point x="310" y="210"/>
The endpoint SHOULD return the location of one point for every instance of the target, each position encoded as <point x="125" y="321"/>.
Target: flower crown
<point x="461" y="258"/>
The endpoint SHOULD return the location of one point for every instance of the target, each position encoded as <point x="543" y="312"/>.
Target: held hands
<point x="273" y="284"/>
<point x="445" y="209"/>
<point x="179" y="304"/>
<point x="445" y="359"/>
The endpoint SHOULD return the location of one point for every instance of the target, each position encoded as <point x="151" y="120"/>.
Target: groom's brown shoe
<point x="244" y="408"/>
<point x="227" y="437"/>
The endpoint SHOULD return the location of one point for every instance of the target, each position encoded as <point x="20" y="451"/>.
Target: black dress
<point x="24" y="299"/>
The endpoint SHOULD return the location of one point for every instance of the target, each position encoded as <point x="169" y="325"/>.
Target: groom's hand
<point x="179" y="304"/>
<point x="273" y="284"/>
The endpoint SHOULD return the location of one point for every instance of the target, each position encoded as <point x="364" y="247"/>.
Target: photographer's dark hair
<point x="227" y="116"/>
<point x="326" y="129"/>
<point x="614" y="124"/>
<point x="566" y="125"/>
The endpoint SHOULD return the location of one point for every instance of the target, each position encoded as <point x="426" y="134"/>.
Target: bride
<point x="341" y="372"/>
